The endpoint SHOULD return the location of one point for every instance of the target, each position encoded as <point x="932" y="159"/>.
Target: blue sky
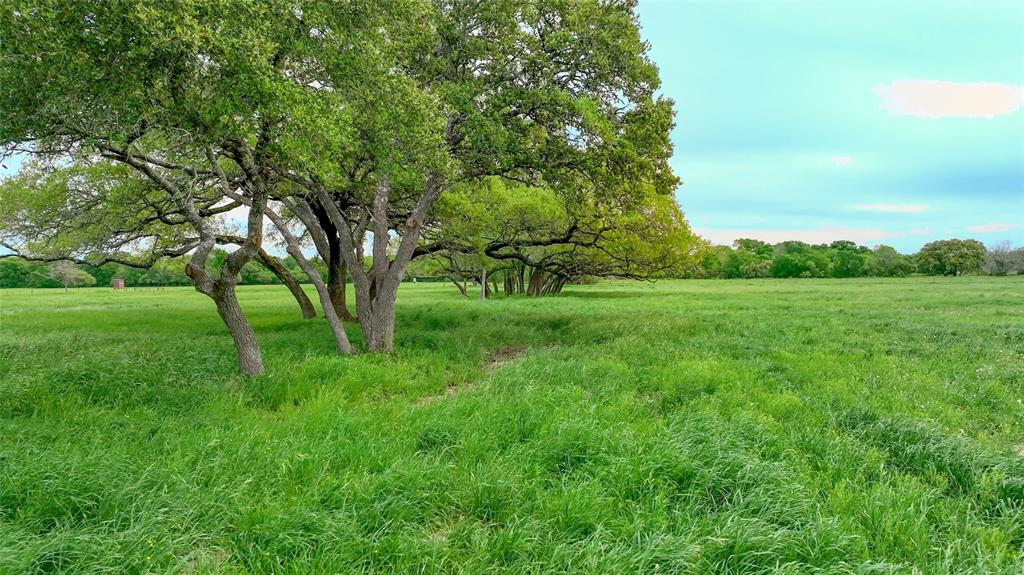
<point x="869" y="121"/>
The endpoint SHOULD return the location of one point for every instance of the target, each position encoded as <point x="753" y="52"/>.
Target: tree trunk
<point x="250" y="361"/>
<point x="329" y="246"/>
<point x="295" y="250"/>
<point x="549" y="284"/>
<point x="552" y="284"/>
<point x="337" y="274"/>
<point x="278" y="269"/>
<point x="483" y="283"/>
<point x="377" y="288"/>
<point x="340" y="337"/>
<point x="382" y="328"/>
<point x="537" y="278"/>
<point x="222" y="289"/>
<point x="461" y="286"/>
<point x="377" y="316"/>
<point x="543" y="282"/>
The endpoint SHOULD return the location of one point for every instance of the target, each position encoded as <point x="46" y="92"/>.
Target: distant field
<point x="764" y="426"/>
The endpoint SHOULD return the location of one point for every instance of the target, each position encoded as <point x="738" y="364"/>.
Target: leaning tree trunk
<point x="250" y="361"/>
<point x="295" y="250"/>
<point x="222" y="289"/>
<point x="549" y="284"/>
<point x="340" y="337"/>
<point x="515" y="280"/>
<point x="537" y="279"/>
<point x="308" y="311"/>
<point x="337" y="273"/>
<point x="461" y="286"/>
<point x="554" y="285"/>
<point x="543" y="282"/>
<point x="274" y="265"/>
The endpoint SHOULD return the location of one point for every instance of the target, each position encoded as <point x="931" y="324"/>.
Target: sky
<point x="894" y="123"/>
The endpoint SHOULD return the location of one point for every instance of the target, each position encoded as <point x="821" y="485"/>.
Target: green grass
<point x="793" y="426"/>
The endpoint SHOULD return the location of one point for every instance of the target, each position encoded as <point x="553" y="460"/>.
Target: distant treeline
<point x="748" y="258"/>
<point x="19" y="273"/>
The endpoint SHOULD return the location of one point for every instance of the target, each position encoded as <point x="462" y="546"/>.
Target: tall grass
<point x="795" y="426"/>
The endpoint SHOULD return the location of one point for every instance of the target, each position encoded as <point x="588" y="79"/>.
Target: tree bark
<point x="382" y="326"/>
<point x="554" y="285"/>
<point x="376" y="311"/>
<point x="543" y="282"/>
<point x="222" y="288"/>
<point x="537" y="277"/>
<point x="340" y="337"/>
<point x="337" y="274"/>
<point x="461" y="286"/>
<point x="325" y="237"/>
<point x="278" y="269"/>
<point x="295" y="250"/>
<point x="250" y="361"/>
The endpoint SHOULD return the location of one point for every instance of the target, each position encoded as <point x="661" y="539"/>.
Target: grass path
<point x="786" y="426"/>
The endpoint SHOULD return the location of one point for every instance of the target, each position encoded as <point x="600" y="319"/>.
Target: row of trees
<point x="538" y="274"/>
<point x="16" y="272"/>
<point x="534" y="244"/>
<point x="748" y="258"/>
<point x="373" y="133"/>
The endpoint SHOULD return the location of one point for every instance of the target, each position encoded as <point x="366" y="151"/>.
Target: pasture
<point x="763" y="426"/>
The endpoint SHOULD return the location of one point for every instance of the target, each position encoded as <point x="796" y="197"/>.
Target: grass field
<point x="788" y="426"/>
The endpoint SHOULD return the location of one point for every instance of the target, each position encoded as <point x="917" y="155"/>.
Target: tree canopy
<point x="334" y="124"/>
<point x="951" y="257"/>
<point x="507" y="228"/>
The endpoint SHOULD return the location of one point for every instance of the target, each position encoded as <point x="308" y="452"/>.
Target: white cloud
<point x="238" y="215"/>
<point x="937" y="99"/>
<point x="892" y="208"/>
<point x="822" y="235"/>
<point x="842" y="161"/>
<point x="993" y="227"/>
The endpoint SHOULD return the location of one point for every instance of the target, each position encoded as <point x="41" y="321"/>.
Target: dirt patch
<point x="497" y="357"/>
<point x="1019" y="450"/>
<point x="451" y="389"/>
